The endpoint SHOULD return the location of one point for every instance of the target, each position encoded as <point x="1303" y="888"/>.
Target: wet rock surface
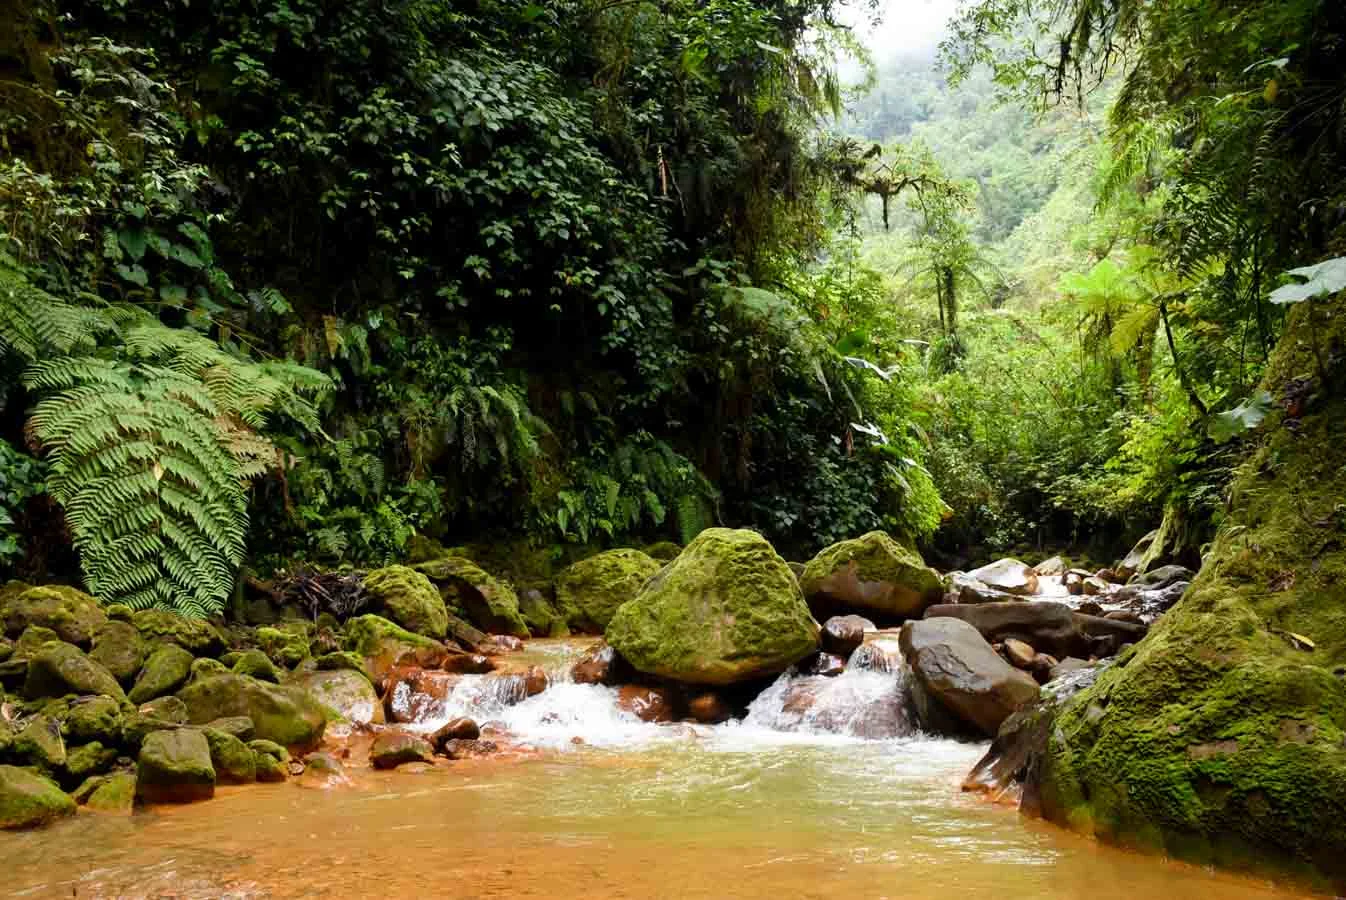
<point x="958" y="669"/>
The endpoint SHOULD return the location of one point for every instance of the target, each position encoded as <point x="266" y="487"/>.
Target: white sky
<point x="906" y="27"/>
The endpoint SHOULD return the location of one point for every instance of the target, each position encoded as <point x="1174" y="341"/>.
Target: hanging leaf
<point x="1326" y="277"/>
<point x="1242" y="418"/>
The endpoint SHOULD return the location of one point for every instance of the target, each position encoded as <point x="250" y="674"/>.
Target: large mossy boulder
<point x="94" y="719"/>
<point x="118" y="647"/>
<point x="954" y="666"/>
<point x="59" y="669"/>
<point x="196" y="635"/>
<point x="285" y="714"/>
<point x="407" y="597"/>
<point x="28" y="800"/>
<point x="166" y="670"/>
<point x="385" y="645"/>
<point x="487" y="602"/>
<point x="349" y="694"/>
<point x="175" y="767"/>
<point x="71" y="613"/>
<point x="1221" y="738"/>
<point x="728" y="609"/>
<point x="589" y="592"/>
<point x="872" y="575"/>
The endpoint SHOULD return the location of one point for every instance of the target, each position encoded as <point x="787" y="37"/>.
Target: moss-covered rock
<point x="28" y="800"/>
<point x="663" y="551"/>
<point x="590" y="591"/>
<point x="384" y="645"/>
<point x="490" y="604"/>
<point x="282" y="713"/>
<point x="59" y="669"/>
<point x="540" y="613"/>
<point x="114" y="794"/>
<point x="272" y="760"/>
<point x="118" y="647"/>
<point x="167" y="669"/>
<point x="256" y="664"/>
<point x="40" y="744"/>
<point x="240" y="727"/>
<point x="94" y="719"/>
<point x="407" y="597"/>
<point x="195" y="635"/>
<point x="349" y="694"/>
<point x="340" y="659"/>
<point x="872" y="575"/>
<point x="33" y="639"/>
<point x="727" y="609"/>
<point x="392" y="749"/>
<point x="287" y="644"/>
<point x="89" y="759"/>
<point x="174" y="767"/>
<point x="69" y="612"/>
<point x="234" y="761"/>
<point x="206" y="668"/>
<point x="1221" y="738"/>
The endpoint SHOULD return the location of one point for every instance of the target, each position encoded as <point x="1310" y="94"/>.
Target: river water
<point x="742" y="810"/>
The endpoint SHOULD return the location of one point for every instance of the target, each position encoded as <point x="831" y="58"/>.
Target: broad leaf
<point x="1242" y="418"/>
<point x="1326" y="277"/>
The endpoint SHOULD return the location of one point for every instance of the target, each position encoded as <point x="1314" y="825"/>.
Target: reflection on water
<point x="743" y="810"/>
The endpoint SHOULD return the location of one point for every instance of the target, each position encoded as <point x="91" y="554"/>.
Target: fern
<point x="33" y="323"/>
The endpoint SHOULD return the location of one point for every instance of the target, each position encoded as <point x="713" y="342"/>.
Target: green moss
<point x="94" y="719"/>
<point x="114" y="794"/>
<point x="873" y="575"/>
<point x="280" y="713"/>
<point x="33" y="639"/>
<point x="663" y="551"/>
<point x="727" y="609"/>
<point x="257" y="664"/>
<point x="89" y="759"/>
<point x="28" y="800"/>
<point x="287" y="645"/>
<point x="271" y="760"/>
<point x="341" y="659"/>
<point x="206" y="668"/>
<point x="590" y="591"/>
<point x="71" y="613"/>
<point x="118" y="647"/>
<point x="166" y="670"/>
<point x="174" y="767"/>
<point x="1222" y="731"/>
<point x="234" y="761"/>
<point x="58" y="669"/>
<point x="201" y="638"/>
<point x="40" y="744"/>
<point x="488" y="603"/>
<point x="365" y="635"/>
<point x="408" y="598"/>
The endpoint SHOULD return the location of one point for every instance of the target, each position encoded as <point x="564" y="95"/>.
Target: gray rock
<point x="1008" y="575"/>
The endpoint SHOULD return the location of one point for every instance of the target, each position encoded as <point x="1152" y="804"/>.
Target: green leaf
<point x="1242" y="418"/>
<point x="133" y="241"/>
<point x="1326" y="277"/>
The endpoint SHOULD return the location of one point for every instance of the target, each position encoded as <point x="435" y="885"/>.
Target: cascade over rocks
<point x="590" y="591"/>
<point x="727" y="609"/>
<point x="956" y="667"/>
<point x="872" y="574"/>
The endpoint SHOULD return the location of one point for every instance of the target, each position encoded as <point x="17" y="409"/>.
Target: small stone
<point x="1019" y="653"/>
<point x="461" y="729"/>
<point x="392" y="749"/>
<point x="534" y="681"/>
<point x="470" y="749"/>
<point x="709" y="708"/>
<point x="842" y="634"/>
<point x="234" y="761"/>
<point x="827" y="664"/>
<point x="272" y="761"/>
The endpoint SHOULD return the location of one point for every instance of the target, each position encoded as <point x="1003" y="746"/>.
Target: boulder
<point x="709" y="708"/>
<point x="385" y="646"/>
<point x="40" y="744"/>
<point x="842" y="634"/>
<point x="1053" y="566"/>
<point x="271" y="759"/>
<point x="873" y="575"/>
<point x="240" y="727"/>
<point x="174" y="767"/>
<point x="467" y="636"/>
<point x="460" y="729"/>
<point x="28" y="800"/>
<point x="875" y="656"/>
<point x="407" y="597"/>
<point x="1019" y="654"/>
<point x="286" y="644"/>
<point x="956" y="666"/>
<point x="589" y="592"/>
<point x="118" y="647"/>
<point x="488" y="603"/>
<point x="1068" y="666"/>
<point x="234" y="761"/>
<point x="347" y="693"/>
<point x="1074" y="583"/>
<point x="33" y="639"/>
<point x="414" y="695"/>
<point x="71" y="613"/>
<point x="1008" y="575"/>
<point x="114" y="794"/>
<point x="87" y="760"/>
<point x="94" y="719"/>
<point x="727" y="609"/>
<point x="966" y="589"/>
<point x="256" y="664"/>
<point x="393" y="748"/>
<point x="195" y="635"/>
<point x="166" y="670"/>
<point x="59" y="669"/>
<point x="541" y="615"/>
<point x="649" y="704"/>
<point x="284" y="714"/>
<point x="1047" y="626"/>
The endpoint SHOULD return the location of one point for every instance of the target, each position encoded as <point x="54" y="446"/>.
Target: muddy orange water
<point x="766" y="808"/>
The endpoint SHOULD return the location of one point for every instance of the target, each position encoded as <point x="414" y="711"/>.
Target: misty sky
<point x="907" y="26"/>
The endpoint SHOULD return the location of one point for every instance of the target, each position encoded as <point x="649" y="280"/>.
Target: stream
<point x="785" y="803"/>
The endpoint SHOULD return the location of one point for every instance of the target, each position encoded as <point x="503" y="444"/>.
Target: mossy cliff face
<point x="727" y="609"/>
<point x="590" y="591"/>
<point x="1221" y="737"/>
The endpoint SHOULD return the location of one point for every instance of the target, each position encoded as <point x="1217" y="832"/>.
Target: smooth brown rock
<point x="414" y="695"/>
<point x="535" y="681"/>
<point x="393" y="748"/>
<point x="842" y="634"/>
<point x="597" y="666"/>
<point x="1093" y="586"/>
<point x="649" y="704"/>
<point x="461" y="729"/>
<point x="460" y="749"/>
<point x="468" y="663"/>
<point x="709" y="708"/>
<point x="1019" y="654"/>
<point x="1048" y="626"/>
